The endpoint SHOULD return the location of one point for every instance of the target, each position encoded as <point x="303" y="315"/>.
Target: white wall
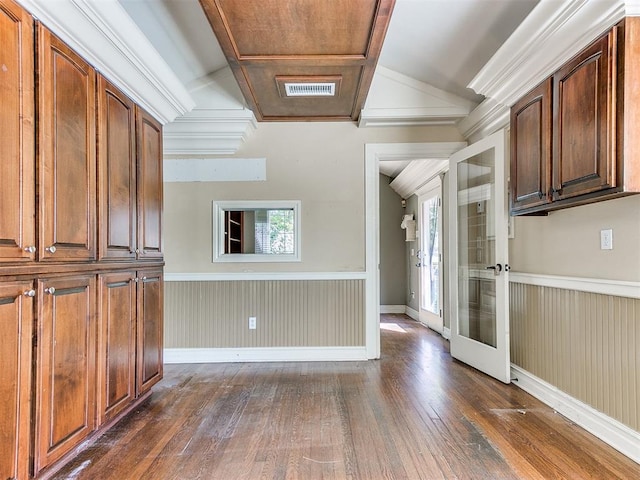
<point x="321" y="164"/>
<point x="567" y="242"/>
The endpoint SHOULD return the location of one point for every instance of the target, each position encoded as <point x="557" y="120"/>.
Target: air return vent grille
<point x="310" y="89"/>
<point x="313" y="86"/>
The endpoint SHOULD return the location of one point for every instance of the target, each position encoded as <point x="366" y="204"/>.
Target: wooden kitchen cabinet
<point x="150" y="329"/>
<point x="117" y="204"/>
<point x="65" y="366"/>
<point x="66" y="152"/>
<point x="116" y="343"/>
<point x="17" y="167"/>
<point x="149" y="148"/>
<point x="80" y="250"/>
<point x="584" y="108"/>
<point x="574" y="137"/>
<point x="530" y="178"/>
<point x="16" y="322"/>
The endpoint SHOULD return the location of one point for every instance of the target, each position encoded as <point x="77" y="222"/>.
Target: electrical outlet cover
<point x="606" y="239"/>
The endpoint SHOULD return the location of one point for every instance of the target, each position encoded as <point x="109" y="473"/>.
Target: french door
<point x="430" y="256"/>
<point x="479" y="277"/>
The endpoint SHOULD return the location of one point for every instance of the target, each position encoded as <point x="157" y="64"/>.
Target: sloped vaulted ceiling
<point x="327" y="49"/>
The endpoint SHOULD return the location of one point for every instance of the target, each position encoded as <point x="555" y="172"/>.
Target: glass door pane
<point x="430" y="271"/>
<point x="478" y="277"/>
<point x="476" y="248"/>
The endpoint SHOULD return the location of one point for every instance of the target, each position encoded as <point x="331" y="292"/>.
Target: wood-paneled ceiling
<point x="272" y="43"/>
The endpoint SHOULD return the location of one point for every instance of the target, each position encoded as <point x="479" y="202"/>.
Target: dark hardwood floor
<point x="414" y="414"/>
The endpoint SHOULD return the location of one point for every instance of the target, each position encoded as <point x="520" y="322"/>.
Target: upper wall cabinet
<point x="149" y="145"/>
<point x="116" y="173"/>
<point x="584" y="107"/>
<point x="17" y="195"/>
<point x="573" y="137"/>
<point x="531" y="148"/>
<point x="66" y="152"/>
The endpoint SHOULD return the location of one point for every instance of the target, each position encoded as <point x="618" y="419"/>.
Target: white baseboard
<point x="275" y="354"/>
<point x="609" y="430"/>
<point x="412" y="313"/>
<point x="392" y="308"/>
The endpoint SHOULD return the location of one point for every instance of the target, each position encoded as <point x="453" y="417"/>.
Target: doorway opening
<point x="435" y="154"/>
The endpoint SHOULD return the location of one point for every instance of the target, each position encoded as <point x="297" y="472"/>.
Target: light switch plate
<point x="606" y="239"/>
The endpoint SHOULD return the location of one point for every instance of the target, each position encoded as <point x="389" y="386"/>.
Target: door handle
<point x="497" y="268"/>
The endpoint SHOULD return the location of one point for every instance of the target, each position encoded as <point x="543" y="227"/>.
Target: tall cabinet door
<point x="17" y="164"/>
<point x="116" y="173"/>
<point x="67" y="152"/>
<point x="65" y="372"/>
<point x="149" y="144"/>
<point x="116" y="343"/>
<point x="150" y="329"/>
<point x="16" y="320"/>
<point x="584" y="155"/>
<point x="531" y="149"/>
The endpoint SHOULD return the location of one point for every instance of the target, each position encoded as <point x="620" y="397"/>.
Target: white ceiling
<point x="434" y="43"/>
<point x="442" y="43"/>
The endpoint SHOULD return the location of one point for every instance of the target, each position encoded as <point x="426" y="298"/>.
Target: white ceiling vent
<point x="316" y="89"/>
<point x="313" y="86"/>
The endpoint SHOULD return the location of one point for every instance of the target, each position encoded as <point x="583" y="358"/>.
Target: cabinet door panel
<point x="149" y="144"/>
<point x="65" y="389"/>
<point x="67" y="179"/>
<point x="531" y="149"/>
<point x="17" y="163"/>
<point x="16" y="323"/>
<point x="116" y="173"/>
<point x="584" y="133"/>
<point x="116" y="344"/>
<point x="150" y="329"/>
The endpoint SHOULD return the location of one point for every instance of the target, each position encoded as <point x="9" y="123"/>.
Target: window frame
<point x="220" y="206"/>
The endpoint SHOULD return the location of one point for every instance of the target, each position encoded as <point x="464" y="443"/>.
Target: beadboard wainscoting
<point x="575" y="344"/>
<point x="311" y="318"/>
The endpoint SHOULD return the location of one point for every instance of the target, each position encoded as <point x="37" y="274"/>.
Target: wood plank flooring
<point x="414" y="414"/>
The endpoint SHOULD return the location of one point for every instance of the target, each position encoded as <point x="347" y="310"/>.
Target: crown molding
<point x="208" y="131"/>
<point x="427" y="161"/>
<point x="104" y="34"/>
<point x="398" y="100"/>
<point x="489" y="117"/>
<point x="417" y="174"/>
<point x="552" y="33"/>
